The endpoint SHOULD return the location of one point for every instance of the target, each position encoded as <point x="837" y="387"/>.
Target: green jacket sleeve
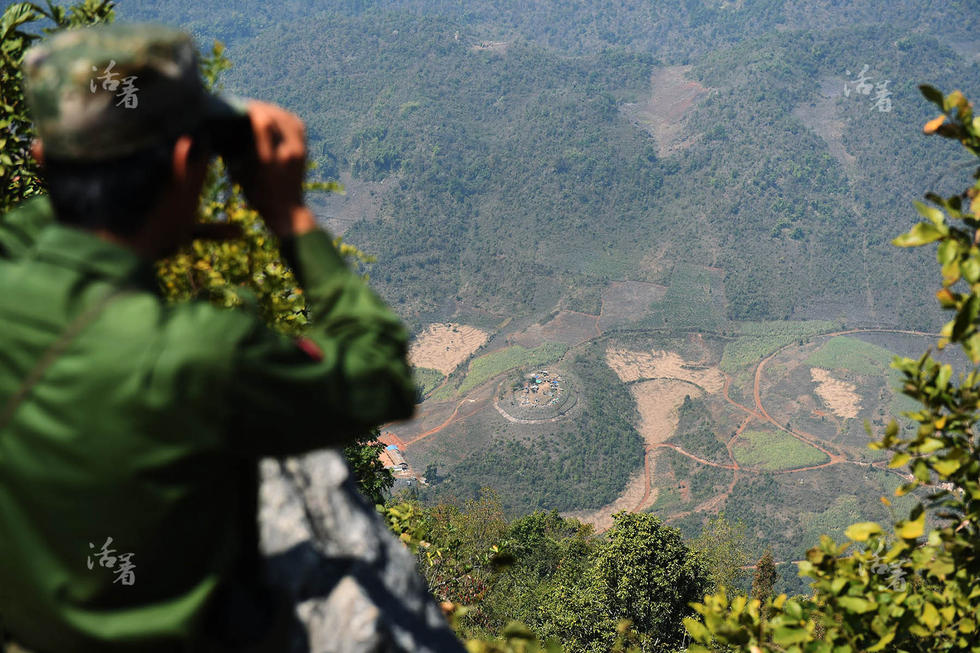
<point x="348" y="374"/>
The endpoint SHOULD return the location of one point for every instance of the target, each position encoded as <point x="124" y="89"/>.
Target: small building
<point x="392" y="458"/>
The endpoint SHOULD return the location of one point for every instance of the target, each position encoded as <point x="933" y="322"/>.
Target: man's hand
<point x="272" y="182"/>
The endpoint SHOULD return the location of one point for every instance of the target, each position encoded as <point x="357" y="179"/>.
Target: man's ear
<point x="37" y="152"/>
<point x="181" y="161"/>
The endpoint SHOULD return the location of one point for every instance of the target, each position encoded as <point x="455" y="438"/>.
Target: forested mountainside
<point x="515" y="167"/>
<point x="677" y="31"/>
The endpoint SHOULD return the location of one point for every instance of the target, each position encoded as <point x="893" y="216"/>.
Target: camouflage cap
<point x="107" y="91"/>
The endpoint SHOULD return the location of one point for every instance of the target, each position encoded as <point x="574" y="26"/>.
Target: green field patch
<point x="775" y="450"/>
<point x="426" y="379"/>
<point x="756" y="340"/>
<point x="844" y="353"/>
<point x="490" y="365"/>
<point x="694" y="298"/>
<point x="667" y="500"/>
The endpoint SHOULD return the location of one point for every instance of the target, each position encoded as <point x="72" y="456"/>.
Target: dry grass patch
<point x="672" y="96"/>
<point x="824" y="119"/>
<point x="637" y="365"/>
<point x="840" y="396"/>
<point x="499" y="47"/>
<point x="628" y="301"/>
<point x="567" y="327"/>
<point x="444" y="346"/>
<point x="657" y="402"/>
<point x="360" y="201"/>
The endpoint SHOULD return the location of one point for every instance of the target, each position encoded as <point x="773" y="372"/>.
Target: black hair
<point x="117" y="194"/>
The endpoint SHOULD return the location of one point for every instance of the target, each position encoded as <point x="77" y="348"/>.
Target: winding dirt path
<point x="802" y="436"/>
<point x="449" y="420"/>
<point x="756" y="413"/>
<point x="760" y="413"/>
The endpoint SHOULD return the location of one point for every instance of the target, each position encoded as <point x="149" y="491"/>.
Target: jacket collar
<point x="84" y="251"/>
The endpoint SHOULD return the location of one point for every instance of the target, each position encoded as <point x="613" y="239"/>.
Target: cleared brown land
<point x="840" y="396"/>
<point x="657" y="402"/>
<point x="637" y="365"/>
<point x="360" y="201"/>
<point x="672" y="95"/>
<point x="824" y="119"/>
<point x="627" y="301"/>
<point x="444" y="346"/>
<point x="568" y="327"/>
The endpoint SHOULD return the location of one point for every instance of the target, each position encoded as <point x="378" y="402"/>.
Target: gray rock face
<point x="354" y="585"/>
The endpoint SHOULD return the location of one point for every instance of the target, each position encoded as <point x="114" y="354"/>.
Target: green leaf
<point x="947" y="251"/>
<point x="929" y="445"/>
<point x="784" y="635"/>
<point x="932" y="94"/>
<point x="14" y="16"/>
<point x="971" y="269"/>
<point x="898" y="460"/>
<point x="929" y="616"/>
<point x="921" y="234"/>
<point x="910" y="529"/>
<point x="697" y="629"/>
<point x="965" y="317"/>
<point x="883" y="642"/>
<point x="972" y="347"/>
<point x="855" y="604"/>
<point x="517" y="630"/>
<point x="931" y="213"/>
<point x="861" y="531"/>
<point x="946" y="466"/>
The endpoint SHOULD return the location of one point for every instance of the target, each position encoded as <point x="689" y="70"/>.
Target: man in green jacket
<point x="130" y="428"/>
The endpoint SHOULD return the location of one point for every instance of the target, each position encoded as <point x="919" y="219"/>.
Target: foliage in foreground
<point x="18" y="171"/>
<point x="551" y="584"/>
<point x="907" y="590"/>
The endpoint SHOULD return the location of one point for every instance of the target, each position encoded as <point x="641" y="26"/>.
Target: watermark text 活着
<point x="125" y="571"/>
<point x="892" y="571"/>
<point x="862" y="85"/>
<point x="126" y="86"/>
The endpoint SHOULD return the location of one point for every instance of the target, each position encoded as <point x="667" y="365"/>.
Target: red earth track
<point x="761" y="413"/>
<point x="758" y="413"/>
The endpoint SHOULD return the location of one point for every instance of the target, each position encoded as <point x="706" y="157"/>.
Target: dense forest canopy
<point x="509" y="175"/>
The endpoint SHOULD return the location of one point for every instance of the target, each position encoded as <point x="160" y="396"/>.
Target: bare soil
<point x="824" y="119"/>
<point x="568" y="327"/>
<point x="444" y="346"/>
<point x="627" y="301"/>
<point x="500" y="47"/>
<point x="360" y="201"/>
<point x="632" y="496"/>
<point x="672" y="96"/>
<point x="840" y="396"/>
<point x="657" y="402"/>
<point x="637" y="365"/>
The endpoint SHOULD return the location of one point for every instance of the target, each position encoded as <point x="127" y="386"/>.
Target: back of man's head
<point x="108" y="103"/>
